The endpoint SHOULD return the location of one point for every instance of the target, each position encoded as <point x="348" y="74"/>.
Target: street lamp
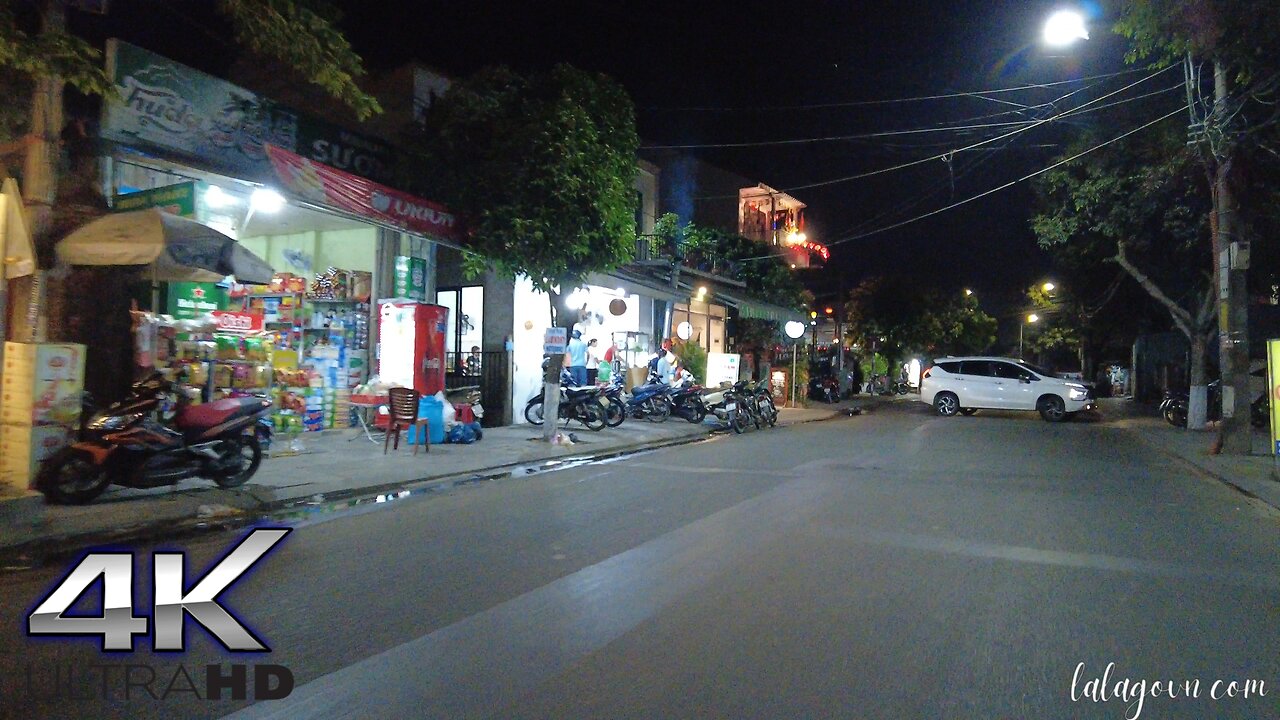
<point x="1030" y="319"/>
<point x="1065" y="27"/>
<point x="795" y="331"/>
<point x="1048" y="287"/>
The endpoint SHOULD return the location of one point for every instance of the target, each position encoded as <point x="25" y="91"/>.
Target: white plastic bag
<point x="449" y="414"/>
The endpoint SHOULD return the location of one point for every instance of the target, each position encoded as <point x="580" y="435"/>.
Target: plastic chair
<point x="404" y="413"/>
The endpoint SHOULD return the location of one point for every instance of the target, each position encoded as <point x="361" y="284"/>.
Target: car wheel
<point x="1052" y="409"/>
<point x="968" y="411"/>
<point x="947" y="404"/>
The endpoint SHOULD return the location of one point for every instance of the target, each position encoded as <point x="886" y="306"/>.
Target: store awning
<point x="638" y="284"/>
<point x="762" y="311"/>
<point x="330" y="188"/>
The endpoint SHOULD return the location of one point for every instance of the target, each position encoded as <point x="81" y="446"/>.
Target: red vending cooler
<point x="412" y="340"/>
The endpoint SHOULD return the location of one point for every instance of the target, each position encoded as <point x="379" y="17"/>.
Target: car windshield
<point x="1038" y="370"/>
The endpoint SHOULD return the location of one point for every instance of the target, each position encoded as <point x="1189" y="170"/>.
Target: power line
<point x="1008" y="184"/>
<point x="871" y="103"/>
<point x="896" y="133"/>
<point x="940" y="156"/>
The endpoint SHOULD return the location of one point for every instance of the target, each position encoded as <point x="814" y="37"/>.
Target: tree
<point x="540" y="168"/>
<point x="1142" y="204"/>
<point x="1241" y="40"/>
<point x="911" y="319"/>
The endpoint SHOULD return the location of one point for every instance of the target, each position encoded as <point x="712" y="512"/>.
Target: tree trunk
<point x="561" y="316"/>
<point x="1197" y="405"/>
<point x="40" y="183"/>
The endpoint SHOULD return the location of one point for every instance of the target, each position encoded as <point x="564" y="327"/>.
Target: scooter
<point x="1175" y="406"/>
<point x="686" y="399"/>
<point x="615" y="405"/>
<point x="651" y="401"/>
<point x="576" y="403"/>
<point x="726" y="404"/>
<point x="150" y="440"/>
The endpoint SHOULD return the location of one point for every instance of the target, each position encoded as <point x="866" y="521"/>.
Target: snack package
<point x="260" y="376"/>
<point x="197" y="374"/>
<point x="222" y="376"/>
<point x="255" y="349"/>
<point x="228" y="347"/>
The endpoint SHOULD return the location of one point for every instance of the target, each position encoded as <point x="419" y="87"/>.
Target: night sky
<point x="714" y="73"/>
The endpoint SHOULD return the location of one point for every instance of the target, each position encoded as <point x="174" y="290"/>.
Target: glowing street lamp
<point x="1048" y="287"/>
<point x="1065" y="27"/>
<point x="1030" y="319"/>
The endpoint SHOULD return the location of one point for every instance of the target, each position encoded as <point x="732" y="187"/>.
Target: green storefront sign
<point x="179" y="199"/>
<point x="191" y="299"/>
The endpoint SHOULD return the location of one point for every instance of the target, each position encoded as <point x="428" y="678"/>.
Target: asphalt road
<point x="892" y="565"/>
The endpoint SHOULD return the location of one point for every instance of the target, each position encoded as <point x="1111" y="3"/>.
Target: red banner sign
<point x="238" y="322"/>
<point x="324" y="185"/>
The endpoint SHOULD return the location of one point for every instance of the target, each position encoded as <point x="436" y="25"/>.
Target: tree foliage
<point x="915" y="318"/>
<point x="1143" y="204"/>
<point x="303" y="34"/>
<point x="729" y="254"/>
<point x="540" y="168"/>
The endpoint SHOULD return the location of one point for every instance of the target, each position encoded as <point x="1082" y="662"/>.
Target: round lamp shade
<point x="684" y="331"/>
<point x="617" y="306"/>
<point x="794" y="329"/>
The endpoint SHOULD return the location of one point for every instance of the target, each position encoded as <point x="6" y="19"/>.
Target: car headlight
<point x="1078" y="392"/>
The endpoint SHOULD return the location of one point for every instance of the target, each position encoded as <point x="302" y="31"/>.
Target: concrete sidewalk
<point x="1254" y="475"/>
<point x="332" y="467"/>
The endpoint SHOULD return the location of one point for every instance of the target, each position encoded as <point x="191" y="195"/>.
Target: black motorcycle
<point x="154" y="438"/>
<point x="687" y="402"/>
<point x="615" y="404"/>
<point x="764" y="403"/>
<point x="576" y="403"/>
<point x="1175" y="406"/>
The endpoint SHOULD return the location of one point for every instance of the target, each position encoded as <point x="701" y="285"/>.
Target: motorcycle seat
<point x="207" y="415"/>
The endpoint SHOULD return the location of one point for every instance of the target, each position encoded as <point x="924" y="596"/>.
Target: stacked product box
<point x="39" y="406"/>
<point x="314" y="418"/>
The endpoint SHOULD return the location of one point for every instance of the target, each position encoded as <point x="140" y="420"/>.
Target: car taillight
<point x="926" y="372"/>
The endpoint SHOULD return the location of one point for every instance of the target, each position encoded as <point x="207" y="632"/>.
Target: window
<point x="951" y="367"/>
<point x="1008" y="371"/>
<point x="977" y="368"/>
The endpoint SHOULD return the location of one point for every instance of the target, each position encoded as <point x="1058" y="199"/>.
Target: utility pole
<point x="1231" y="255"/>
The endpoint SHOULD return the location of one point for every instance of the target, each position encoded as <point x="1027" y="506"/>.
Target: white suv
<point x="966" y="384"/>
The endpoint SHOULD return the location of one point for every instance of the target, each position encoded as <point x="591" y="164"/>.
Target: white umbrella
<point x="172" y="248"/>
<point x="15" y="241"/>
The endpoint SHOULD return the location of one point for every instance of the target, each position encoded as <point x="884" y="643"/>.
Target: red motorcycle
<point x="128" y="444"/>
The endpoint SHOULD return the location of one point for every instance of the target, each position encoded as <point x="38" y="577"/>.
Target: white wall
<point x="530" y="308"/>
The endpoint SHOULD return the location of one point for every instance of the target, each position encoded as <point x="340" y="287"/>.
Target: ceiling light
<point x="266" y="200"/>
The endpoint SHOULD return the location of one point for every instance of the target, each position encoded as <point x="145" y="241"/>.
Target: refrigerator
<point x="411" y="341"/>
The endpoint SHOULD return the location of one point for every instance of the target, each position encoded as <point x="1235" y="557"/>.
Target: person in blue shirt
<point x="576" y="353"/>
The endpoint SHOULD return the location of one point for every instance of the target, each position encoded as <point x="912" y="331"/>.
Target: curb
<point x="1197" y="467"/>
<point x="37" y="552"/>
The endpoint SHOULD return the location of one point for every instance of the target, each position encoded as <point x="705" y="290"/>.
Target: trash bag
<point x="462" y="434"/>
<point x="479" y="431"/>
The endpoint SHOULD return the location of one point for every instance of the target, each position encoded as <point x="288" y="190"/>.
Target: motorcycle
<point x="615" y="404"/>
<point x="150" y="440"/>
<point x="1175" y="406"/>
<point x="576" y="403"/>
<point x="764" y="401"/>
<point x="686" y="400"/>
<point x="651" y="401"/>
<point x="726" y="405"/>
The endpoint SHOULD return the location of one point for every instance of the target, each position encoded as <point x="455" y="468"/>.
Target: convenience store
<point x="338" y="240"/>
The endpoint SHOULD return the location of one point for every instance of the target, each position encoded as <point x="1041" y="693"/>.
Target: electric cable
<point x="912" y="163"/>
<point x="872" y="103"/>
<point x="1006" y="185"/>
